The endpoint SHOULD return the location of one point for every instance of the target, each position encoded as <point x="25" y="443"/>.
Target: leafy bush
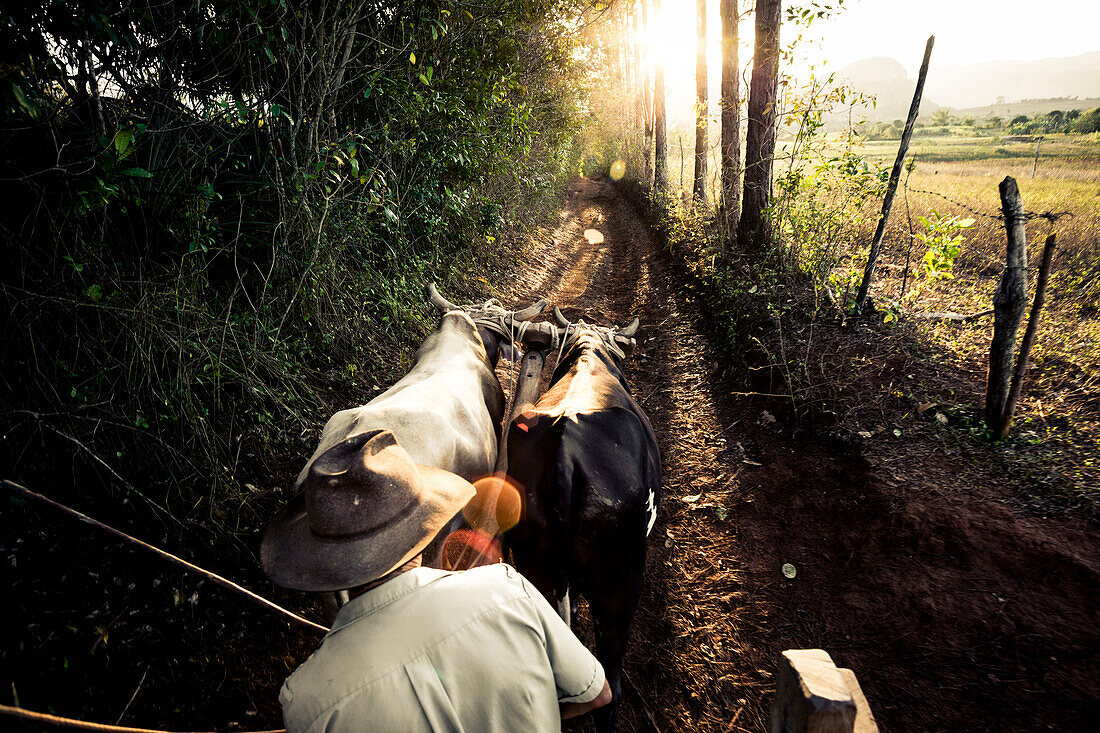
<point x="217" y="211"/>
<point x="942" y="235"/>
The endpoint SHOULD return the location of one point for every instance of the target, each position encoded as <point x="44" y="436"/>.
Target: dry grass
<point x="1058" y="420"/>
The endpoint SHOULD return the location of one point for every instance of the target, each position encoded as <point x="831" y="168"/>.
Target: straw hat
<point x="365" y="509"/>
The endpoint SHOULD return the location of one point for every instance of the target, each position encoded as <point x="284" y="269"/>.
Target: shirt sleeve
<point x="578" y="675"/>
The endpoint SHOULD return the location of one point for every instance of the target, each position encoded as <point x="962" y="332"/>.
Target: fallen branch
<point x="223" y="582"/>
<point x="950" y="316"/>
<point x="84" y="724"/>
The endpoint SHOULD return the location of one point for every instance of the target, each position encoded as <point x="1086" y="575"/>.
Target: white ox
<point x="446" y="412"/>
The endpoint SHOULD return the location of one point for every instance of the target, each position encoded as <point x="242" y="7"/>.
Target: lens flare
<point x="496" y="507"/>
<point x="594" y="236"/>
<point x="618" y="170"/>
<point x="469" y="548"/>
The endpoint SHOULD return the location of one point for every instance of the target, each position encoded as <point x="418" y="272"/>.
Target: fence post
<point x="1029" y="336"/>
<point x="1008" y="306"/>
<point x="814" y="696"/>
<point x="892" y="185"/>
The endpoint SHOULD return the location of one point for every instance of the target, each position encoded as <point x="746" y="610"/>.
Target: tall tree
<point x="699" y="186"/>
<point x="753" y="230"/>
<point x="731" y="122"/>
<point x="660" y="152"/>
<point x="647" y="96"/>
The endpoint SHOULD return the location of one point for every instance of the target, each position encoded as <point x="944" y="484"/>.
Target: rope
<point x="224" y="582"/>
<point x="84" y="724"/>
<point x="607" y="334"/>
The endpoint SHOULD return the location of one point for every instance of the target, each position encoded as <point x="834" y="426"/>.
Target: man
<point x="416" y="649"/>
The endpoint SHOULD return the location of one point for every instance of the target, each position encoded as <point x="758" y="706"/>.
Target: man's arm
<point x="573" y="709"/>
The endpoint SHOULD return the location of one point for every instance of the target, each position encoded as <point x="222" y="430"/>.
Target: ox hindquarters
<point x="590" y="482"/>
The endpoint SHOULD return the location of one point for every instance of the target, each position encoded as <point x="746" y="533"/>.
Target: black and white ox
<point x="446" y="412"/>
<point x="590" y="471"/>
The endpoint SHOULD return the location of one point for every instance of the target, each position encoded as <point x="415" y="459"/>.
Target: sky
<point x="967" y="32"/>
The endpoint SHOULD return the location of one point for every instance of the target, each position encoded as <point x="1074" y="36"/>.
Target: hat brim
<point x="294" y="557"/>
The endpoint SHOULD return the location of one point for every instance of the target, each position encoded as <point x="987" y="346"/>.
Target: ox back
<point x="590" y="469"/>
<point x="445" y="412"/>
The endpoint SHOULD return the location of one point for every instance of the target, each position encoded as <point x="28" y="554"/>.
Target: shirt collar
<point x="385" y="594"/>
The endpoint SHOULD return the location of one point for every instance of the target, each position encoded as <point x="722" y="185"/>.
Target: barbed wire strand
<point x="224" y="582"/>
<point x="61" y="722"/>
<point x="1050" y="216"/>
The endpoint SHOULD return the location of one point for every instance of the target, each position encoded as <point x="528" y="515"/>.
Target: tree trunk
<point x="699" y="184"/>
<point x="660" y="143"/>
<point x="1029" y="337"/>
<point x="892" y="184"/>
<point x="753" y="230"/>
<point x="731" y="122"/>
<point x="647" y="97"/>
<point x="1008" y="306"/>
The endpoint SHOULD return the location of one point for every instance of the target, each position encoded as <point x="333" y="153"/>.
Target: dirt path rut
<point x="955" y="613"/>
<point x="687" y="631"/>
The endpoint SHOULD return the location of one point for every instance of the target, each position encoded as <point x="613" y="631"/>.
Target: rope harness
<point x="565" y="337"/>
<point x="494" y="316"/>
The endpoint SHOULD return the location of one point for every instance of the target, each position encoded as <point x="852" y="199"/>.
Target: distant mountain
<point x="1029" y="107"/>
<point x="981" y="84"/>
<point x="978" y="85"/>
<point x="891" y="86"/>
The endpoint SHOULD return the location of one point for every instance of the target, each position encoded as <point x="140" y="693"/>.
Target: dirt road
<point x="954" y="613"/>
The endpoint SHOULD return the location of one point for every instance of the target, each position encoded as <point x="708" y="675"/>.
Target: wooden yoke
<point x="496" y="507"/>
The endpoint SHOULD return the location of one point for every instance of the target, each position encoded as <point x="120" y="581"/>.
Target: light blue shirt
<point x="479" y="651"/>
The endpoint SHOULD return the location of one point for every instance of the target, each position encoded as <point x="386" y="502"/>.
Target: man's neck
<point x="360" y="590"/>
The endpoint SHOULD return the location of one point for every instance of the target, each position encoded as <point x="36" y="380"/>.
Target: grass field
<point x="1059" y="413"/>
<point x="1055" y="448"/>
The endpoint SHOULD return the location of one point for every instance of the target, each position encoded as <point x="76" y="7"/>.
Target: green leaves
<point x="123" y="141"/>
<point x="944" y="239"/>
<point x="21" y="97"/>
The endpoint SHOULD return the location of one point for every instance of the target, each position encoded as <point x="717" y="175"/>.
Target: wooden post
<point x="1029" y="337"/>
<point x="1008" y="306"/>
<point x="895" y="175"/>
<point x="814" y="696"/>
<point x="1035" y="167"/>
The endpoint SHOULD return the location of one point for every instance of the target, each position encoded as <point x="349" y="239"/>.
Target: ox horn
<point x="630" y="329"/>
<point x="562" y="320"/>
<point x="439" y="301"/>
<point x="530" y="311"/>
